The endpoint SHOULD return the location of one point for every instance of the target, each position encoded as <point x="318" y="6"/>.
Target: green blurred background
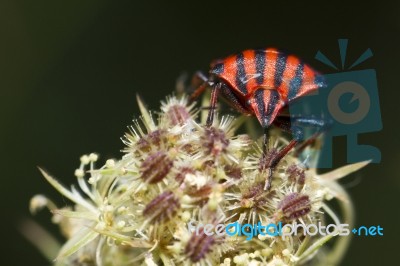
<point x="70" y="70"/>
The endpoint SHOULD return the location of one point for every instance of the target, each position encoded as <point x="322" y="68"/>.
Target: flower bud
<point x="162" y="208"/>
<point x="178" y="114"/>
<point x="152" y="139"/>
<point x="296" y="174"/>
<point x="155" y="167"/>
<point x="214" y="141"/>
<point x="198" y="246"/>
<point x="294" y="206"/>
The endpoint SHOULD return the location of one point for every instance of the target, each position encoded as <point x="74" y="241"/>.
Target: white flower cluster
<point x="135" y="211"/>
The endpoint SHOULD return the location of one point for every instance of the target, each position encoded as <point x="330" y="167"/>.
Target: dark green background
<point x="69" y="72"/>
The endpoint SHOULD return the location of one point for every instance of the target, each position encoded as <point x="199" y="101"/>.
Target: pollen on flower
<point x="135" y="210"/>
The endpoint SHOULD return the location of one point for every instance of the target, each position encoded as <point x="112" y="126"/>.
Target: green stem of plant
<point x="317" y="245"/>
<point x="338" y="251"/>
<point x="303" y="246"/>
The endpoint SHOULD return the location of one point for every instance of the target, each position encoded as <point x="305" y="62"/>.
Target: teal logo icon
<point x="349" y="105"/>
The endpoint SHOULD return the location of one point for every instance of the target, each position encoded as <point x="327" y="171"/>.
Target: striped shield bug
<point x="261" y="83"/>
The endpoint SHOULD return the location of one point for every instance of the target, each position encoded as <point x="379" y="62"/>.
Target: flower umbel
<point x="135" y="210"/>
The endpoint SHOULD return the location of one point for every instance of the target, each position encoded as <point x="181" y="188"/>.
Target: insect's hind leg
<point x="290" y="125"/>
<point x="322" y="125"/>
<point x="294" y="125"/>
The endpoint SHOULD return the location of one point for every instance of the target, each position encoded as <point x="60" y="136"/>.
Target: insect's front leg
<point x="200" y="82"/>
<point x="265" y="141"/>
<point x="264" y="164"/>
<point x="213" y="104"/>
<point x="271" y="157"/>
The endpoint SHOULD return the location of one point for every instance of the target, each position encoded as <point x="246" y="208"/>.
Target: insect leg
<point x="232" y="99"/>
<point x="213" y="103"/>
<point x="294" y="124"/>
<point x="200" y="82"/>
<point x="200" y="75"/>
<point x="181" y="86"/>
<point x="273" y="162"/>
<point x="285" y="124"/>
<point x="265" y="141"/>
<point x="322" y="125"/>
<point x="264" y="163"/>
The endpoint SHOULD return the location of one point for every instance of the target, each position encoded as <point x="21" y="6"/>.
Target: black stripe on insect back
<point x="260" y="65"/>
<point x="259" y="96"/>
<point x="280" y="66"/>
<point x="241" y="74"/>
<point x="296" y="82"/>
<point x="273" y="101"/>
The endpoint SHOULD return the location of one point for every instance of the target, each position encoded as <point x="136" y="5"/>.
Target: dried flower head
<point x="155" y="167"/>
<point x="294" y="206"/>
<point x="136" y="210"/>
<point x="162" y="208"/>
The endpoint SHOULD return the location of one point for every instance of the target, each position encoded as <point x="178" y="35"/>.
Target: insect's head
<point x="266" y="104"/>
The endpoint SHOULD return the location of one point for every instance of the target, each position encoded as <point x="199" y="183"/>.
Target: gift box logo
<point x="350" y="104"/>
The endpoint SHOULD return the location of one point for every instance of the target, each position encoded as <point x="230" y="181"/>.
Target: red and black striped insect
<point x="261" y="83"/>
